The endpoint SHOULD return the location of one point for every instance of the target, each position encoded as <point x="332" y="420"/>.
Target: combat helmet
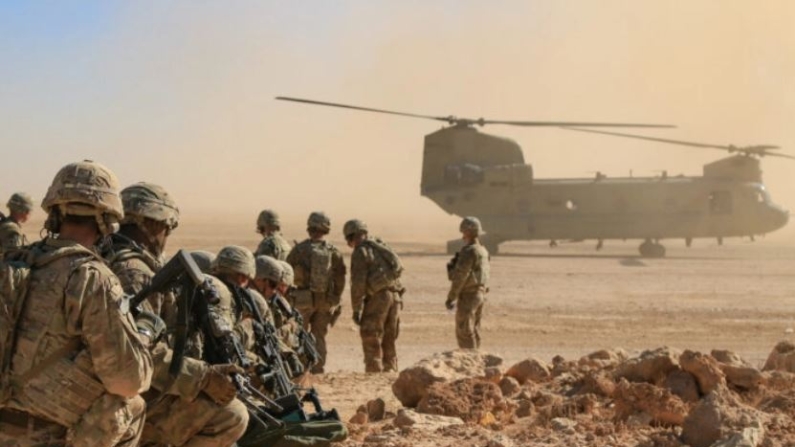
<point x="353" y="227"/>
<point x="234" y="259"/>
<point x="85" y="188"/>
<point x="149" y="201"/>
<point x="268" y="268"/>
<point x="288" y="276"/>
<point x="268" y="218"/>
<point x="203" y="259"/>
<point x="20" y="203"/>
<point x="471" y="224"/>
<point x="319" y="221"/>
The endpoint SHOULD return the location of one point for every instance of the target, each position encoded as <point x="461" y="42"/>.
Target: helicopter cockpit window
<point x="720" y="202"/>
<point x="762" y="195"/>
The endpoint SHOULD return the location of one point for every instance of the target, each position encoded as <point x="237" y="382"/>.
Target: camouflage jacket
<point x="75" y="300"/>
<point x="320" y="267"/>
<point x="10" y="235"/>
<point x="471" y="270"/>
<point x="275" y="246"/>
<point x="370" y="274"/>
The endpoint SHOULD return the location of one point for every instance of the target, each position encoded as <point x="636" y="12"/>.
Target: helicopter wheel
<point x="649" y="249"/>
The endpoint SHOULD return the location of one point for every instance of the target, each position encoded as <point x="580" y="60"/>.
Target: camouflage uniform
<point x="78" y="356"/>
<point x="320" y="280"/>
<point x="469" y="278"/>
<point x="178" y="413"/>
<point x="10" y="231"/>
<point x="375" y="300"/>
<point x="273" y="244"/>
<point x="317" y="306"/>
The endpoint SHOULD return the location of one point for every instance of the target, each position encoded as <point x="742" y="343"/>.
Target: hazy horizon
<point x="181" y="94"/>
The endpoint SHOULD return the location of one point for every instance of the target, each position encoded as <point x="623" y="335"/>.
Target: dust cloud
<point x="181" y="94"/>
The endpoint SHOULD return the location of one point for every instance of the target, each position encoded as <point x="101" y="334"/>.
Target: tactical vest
<point x="53" y="379"/>
<point x="320" y="268"/>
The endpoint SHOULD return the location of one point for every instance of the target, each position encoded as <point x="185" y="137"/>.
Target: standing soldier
<point x="319" y="280"/>
<point x="469" y="273"/>
<point x="375" y="296"/>
<point x="273" y="243"/>
<point x="197" y="407"/>
<point x="19" y="207"/>
<point x="79" y="363"/>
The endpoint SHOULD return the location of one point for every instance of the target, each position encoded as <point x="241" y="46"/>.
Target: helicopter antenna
<point x="758" y="150"/>
<point x="464" y="122"/>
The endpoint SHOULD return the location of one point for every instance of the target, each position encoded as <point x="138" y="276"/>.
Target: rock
<point x="604" y="358"/>
<point x="748" y="437"/>
<point x="500" y="440"/>
<point x="782" y="358"/>
<point x="739" y="373"/>
<point x="360" y="417"/>
<point x="493" y="374"/>
<point x="509" y="386"/>
<point x="704" y="368"/>
<point x="376" y="409"/>
<point x="417" y="421"/>
<point x="564" y="425"/>
<point x="661" y="405"/>
<point x="719" y="415"/>
<point x="531" y="369"/>
<point x="468" y="399"/>
<point x="524" y="409"/>
<point x="412" y="383"/>
<point x="682" y="384"/>
<point x="597" y="383"/>
<point x="651" y="366"/>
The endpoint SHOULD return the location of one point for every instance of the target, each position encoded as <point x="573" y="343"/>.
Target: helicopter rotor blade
<point x="569" y="124"/>
<point x="453" y="120"/>
<point x="774" y="154"/>
<point x="448" y="119"/>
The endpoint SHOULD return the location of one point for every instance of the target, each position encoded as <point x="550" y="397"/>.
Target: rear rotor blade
<point x="571" y="123"/>
<point x="661" y="140"/>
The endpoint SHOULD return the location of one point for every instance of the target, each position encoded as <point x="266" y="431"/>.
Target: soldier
<point x="19" y="207"/>
<point x="198" y="406"/>
<point x="273" y="243"/>
<point x="79" y="363"/>
<point x="320" y="280"/>
<point x="469" y="273"/>
<point x="375" y="296"/>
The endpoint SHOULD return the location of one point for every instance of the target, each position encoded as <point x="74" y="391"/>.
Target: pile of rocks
<point x="661" y="397"/>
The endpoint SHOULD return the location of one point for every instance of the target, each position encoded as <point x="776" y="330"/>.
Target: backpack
<point x="389" y="261"/>
<point x="14" y="275"/>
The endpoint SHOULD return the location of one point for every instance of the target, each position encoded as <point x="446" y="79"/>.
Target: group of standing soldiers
<point x="80" y="368"/>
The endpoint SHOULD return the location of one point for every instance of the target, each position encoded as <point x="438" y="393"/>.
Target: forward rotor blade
<point x="661" y="140"/>
<point x="768" y="154"/>
<point x="571" y="123"/>
<point x="447" y="119"/>
<point x="466" y="121"/>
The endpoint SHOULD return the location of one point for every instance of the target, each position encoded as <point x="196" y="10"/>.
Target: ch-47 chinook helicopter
<point x="470" y="173"/>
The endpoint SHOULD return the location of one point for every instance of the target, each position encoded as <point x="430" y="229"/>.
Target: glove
<point x="218" y="384"/>
<point x="150" y="325"/>
<point x="357" y="317"/>
<point x="449" y="304"/>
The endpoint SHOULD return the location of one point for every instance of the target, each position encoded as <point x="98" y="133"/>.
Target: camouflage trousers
<point x="467" y="318"/>
<point x="379" y="329"/>
<point x="317" y="320"/>
<point x="112" y="422"/>
<point x="173" y="421"/>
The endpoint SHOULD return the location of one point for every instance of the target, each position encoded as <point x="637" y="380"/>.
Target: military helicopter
<point x="468" y="172"/>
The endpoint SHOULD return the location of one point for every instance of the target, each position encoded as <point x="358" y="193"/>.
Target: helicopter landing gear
<point x="649" y="249"/>
<point x="688" y="242"/>
<point x="720" y="241"/>
<point x="553" y="243"/>
<point x="599" y="244"/>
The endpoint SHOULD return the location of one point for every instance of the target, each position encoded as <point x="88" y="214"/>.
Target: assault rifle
<point x="196" y="294"/>
<point x="306" y="341"/>
<point x="274" y="372"/>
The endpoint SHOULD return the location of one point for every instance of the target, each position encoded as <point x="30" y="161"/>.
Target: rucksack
<point x="389" y="261"/>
